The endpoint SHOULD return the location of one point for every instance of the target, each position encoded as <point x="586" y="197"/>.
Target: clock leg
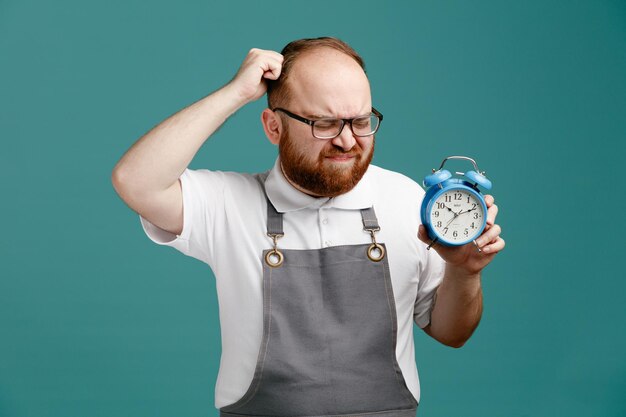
<point x="432" y="243"/>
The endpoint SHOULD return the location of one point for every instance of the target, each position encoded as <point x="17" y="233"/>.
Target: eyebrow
<point x="318" y="116"/>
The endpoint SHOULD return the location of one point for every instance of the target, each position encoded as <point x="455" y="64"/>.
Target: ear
<point x="272" y="125"/>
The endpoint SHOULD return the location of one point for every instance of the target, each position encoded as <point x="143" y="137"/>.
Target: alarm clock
<point x="453" y="209"/>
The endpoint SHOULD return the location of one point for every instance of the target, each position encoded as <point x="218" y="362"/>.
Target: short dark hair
<point x="278" y="93"/>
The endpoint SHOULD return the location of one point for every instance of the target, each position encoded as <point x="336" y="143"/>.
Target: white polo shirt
<point x="225" y="217"/>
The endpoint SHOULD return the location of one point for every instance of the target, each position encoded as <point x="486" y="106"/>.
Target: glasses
<point x="328" y="128"/>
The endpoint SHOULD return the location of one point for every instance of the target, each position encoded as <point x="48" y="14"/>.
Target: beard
<point x="318" y="176"/>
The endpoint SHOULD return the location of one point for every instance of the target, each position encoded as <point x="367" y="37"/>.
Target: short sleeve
<point x="201" y="191"/>
<point x="429" y="281"/>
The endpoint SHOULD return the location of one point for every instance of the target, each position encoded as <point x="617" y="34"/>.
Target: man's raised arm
<point x="146" y="177"/>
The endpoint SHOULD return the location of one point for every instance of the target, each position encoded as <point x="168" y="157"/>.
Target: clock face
<point x="457" y="216"/>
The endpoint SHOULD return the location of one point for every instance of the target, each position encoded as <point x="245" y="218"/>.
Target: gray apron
<point x="329" y="333"/>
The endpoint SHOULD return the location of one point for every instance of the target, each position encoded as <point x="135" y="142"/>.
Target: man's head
<point x="278" y="93"/>
<point x="320" y="78"/>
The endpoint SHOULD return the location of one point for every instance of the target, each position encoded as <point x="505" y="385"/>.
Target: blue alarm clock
<point x="454" y="210"/>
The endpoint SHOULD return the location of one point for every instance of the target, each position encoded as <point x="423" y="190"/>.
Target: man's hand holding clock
<point x="471" y="257"/>
<point x="458" y="221"/>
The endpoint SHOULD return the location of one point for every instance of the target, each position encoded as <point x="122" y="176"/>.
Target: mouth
<point x="341" y="158"/>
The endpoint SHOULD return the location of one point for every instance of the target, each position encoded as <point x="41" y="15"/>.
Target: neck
<point x="296" y="186"/>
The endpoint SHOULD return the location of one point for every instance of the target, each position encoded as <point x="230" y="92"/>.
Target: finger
<point x="495" y="247"/>
<point x="489" y="200"/>
<point x="265" y="60"/>
<point x="272" y="73"/>
<point x="273" y="68"/>
<point x="492" y="212"/>
<point x="265" y="52"/>
<point x="489" y="236"/>
<point x="279" y="57"/>
<point x="259" y="52"/>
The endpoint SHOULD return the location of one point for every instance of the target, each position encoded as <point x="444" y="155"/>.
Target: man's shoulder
<point x="231" y="185"/>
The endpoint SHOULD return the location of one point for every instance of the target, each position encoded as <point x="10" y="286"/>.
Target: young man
<point x="320" y="272"/>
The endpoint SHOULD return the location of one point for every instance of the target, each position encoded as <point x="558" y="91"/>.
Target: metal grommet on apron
<point x="375" y="251"/>
<point x="329" y="333"/>
<point x="274" y="258"/>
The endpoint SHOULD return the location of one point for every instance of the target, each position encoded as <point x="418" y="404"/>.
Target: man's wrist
<point x="235" y="95"/>
<point x="458" y="273"/>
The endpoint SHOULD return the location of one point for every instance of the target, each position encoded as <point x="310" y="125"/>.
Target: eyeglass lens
<point x="361" y="126"/>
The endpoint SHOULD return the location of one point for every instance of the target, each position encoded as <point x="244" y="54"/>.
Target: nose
<point x="345" y="140"/>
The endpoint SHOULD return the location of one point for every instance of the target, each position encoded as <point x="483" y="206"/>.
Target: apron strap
<point x="274" y="220"/>
<point x="370" y="222"/>
<point x="376" y="251"/>
<point x="275" y="257"/>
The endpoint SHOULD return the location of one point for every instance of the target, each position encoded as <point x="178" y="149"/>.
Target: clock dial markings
<point x="448" y="219"/>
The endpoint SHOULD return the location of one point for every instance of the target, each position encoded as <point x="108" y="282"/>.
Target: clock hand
<point x="466" y="211"/>
<point x="449" y="209"/>
<point x="457" y="214"/>
<point x="451" y="220"/>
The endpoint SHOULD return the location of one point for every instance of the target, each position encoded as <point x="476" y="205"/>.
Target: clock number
<point x="448" y="198"/>
<point x="445" y="230"/>
<point x="468" y="198"/>
<point x="472" y="226"/>
<point x="475" y="216"/>
<point x="455" y="233"/>
<point x="441" y="205"/>
<point x="438" y="223"/>
<point x="466" y="232"/>
<point x="436" y="214"/>
<point x="458" y="196"/>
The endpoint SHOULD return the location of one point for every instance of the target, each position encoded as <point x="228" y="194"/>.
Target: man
<point x="320" y="274"/>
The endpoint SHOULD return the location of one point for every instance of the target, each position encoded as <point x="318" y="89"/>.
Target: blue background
<point x="95" y="320"/>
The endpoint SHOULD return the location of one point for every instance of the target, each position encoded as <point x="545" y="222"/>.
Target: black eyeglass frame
<point x="343" y="122"/>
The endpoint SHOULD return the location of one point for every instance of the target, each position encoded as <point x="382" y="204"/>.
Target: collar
<point x="286" y="198"/>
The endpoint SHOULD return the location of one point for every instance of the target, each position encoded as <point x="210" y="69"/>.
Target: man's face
<point x="326" y="83"/>
<point x="333" y="172"/>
